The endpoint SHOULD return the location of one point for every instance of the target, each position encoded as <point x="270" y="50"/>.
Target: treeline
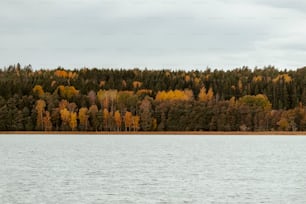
<point x="152" y="100"/>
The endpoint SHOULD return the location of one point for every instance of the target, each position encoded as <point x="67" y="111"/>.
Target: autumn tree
<point x="128" y="120"/>
<point x="206" y="96"/>
<point x="118" y="120"/>
<point x="135" y="122"/>
<point x="145" y="114"/>
<point x="83" y="118"/>
<point x="40" y="109"/>
<point x="65" y="117"/>
<point x="38" y="91"/>
<point x="47" y="121"/>
<point x="67" y="92"/>
<point x="73" y="120"/>
<point x="106" y="119"/>
<point x="92" y="97"/>
<point x="101" y="97"/>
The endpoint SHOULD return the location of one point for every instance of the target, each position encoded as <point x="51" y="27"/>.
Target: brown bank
<point x="196" y="133"/>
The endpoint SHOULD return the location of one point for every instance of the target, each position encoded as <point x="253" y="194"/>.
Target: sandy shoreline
<point x="196" y="133"/>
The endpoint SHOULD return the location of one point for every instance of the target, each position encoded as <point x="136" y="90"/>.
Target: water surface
<point x="152" y="169"/>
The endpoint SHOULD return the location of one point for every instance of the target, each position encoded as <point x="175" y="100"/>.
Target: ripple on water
<point x="152" y="169"/>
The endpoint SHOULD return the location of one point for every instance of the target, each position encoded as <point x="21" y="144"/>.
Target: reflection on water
<point x="152" y="169"/>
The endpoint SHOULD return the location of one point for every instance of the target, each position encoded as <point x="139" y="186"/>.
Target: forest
<point x="94" y="99"/>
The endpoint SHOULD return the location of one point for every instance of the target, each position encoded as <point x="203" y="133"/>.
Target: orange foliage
<point x="61" y="73"/>
<point x="118" y="120"/>
<point x="65" y="74"/>
<point x="137" y="84"/>
<point x="102" y="83"/>
<point x="144" y="92"/>
<point x="257" y="78"/>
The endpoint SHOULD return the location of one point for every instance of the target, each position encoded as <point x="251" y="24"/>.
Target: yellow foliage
<point x="285" y="77"/>
<point x="93" y="109"/>
<point x="174" y="95"/>
<point x="72" y="75"/>
<point x="283" y="124"/>
<point x="47" y="122"/>
<point x="40" y="105"/>
<point x="73" y="120"/>
<point x="83" y="117"/>
<point x="203" y="96"/>
<point x="259" y="100"/>
<point x="65" y="115"/>
<point x="128" y="120"/>
<point x="210" y="94"/>
<point x="67" y="91"/>
<point x="65" y="74"/>
<point x="38" y="90"/>
<point x="101" y="96"/>
<point x="160" y="96"/>
<point x="135" y="122"/>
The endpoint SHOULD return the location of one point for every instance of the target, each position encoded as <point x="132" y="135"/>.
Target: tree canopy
<point x="241" y="99"/>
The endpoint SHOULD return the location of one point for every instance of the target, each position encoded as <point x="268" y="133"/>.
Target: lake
<point x="152" y="169"/>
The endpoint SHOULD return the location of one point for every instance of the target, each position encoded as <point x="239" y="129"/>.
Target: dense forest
<point x="242" y="99"/>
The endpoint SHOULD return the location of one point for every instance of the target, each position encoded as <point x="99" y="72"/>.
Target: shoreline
<point x="187" y="133"/>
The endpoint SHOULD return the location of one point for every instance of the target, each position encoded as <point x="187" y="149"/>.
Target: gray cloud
<point x="153" y="34"/>
<point x="296" y="5"/>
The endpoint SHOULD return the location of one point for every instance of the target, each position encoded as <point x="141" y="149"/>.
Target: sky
<point x="153" y="34"/>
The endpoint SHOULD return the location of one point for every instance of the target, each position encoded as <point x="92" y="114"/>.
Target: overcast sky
<point x="157" y="34"/>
